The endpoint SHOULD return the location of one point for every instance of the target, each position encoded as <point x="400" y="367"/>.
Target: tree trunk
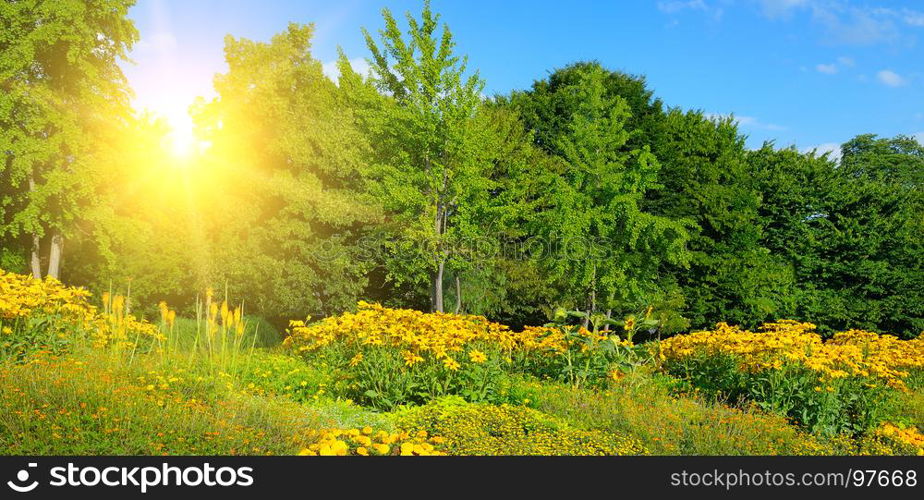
<point x="592" y="298"/>
<point x="458" y="295"/>
<point x="35" y="260"/>
<point x="438" y="226"/>
<point x="438" y="287"/>
<point x="54" y="256"/>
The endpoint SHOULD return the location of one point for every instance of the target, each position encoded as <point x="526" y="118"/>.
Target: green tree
<point x="284" y="209"/>
<point x="851" y="230"/>
<point x="707" y="179"/>
<point x="61" y="88"/>
<point x="430" y="173"/>
<point x="607" y="251"/>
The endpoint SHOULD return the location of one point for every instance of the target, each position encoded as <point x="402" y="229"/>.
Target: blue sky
<point x="812" y="73"/>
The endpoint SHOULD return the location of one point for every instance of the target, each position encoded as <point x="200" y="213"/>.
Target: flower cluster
<point x="367" y="442"/>
<point x="22" y="296"/>
<point x="231" y="319"/>
<point x="47" y="316"/>
<point x="852" y="353"/>
<point x="438" y="335"/>
<point x="908" y="439"/>
<point x="115" y="326"/>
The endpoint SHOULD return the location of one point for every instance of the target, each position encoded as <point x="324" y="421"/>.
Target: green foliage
<point x="732" y="276"/>
<point x="851" y="231"/>
<point x="591" y="356"/>
<point x="606" y="250"/>
<point x="23" y="338"/>
<point x="431" y="160"/>
<point x="12" y="261"/>
<point x="647" y="407"/>
<point x="382" y="378"/>
<point x="63" y="93"/>
<point x="408" y="186"/>
<point x="294" y="183"/>
<point x="269" y="373"/>
<point x="847" y="405"/>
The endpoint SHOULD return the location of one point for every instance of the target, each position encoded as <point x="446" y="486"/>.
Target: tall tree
<point x="707" y="179"/>
<point x="284" y="210"/>
<point x="431" y="171"/>
<point x="852" y="231"/>
<point x="61" y="84"/>
<point x="608" y="252"/>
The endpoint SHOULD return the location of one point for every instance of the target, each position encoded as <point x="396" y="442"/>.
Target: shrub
<point x="47" y="317"/>
<point x="842" y="385"/>
<point x="387" y="357"/>
<point x="482" y="429"/>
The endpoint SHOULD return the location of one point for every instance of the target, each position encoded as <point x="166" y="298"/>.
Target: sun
<point x="182" y="142"/>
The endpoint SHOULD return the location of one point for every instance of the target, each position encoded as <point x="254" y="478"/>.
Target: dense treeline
<point x="408" y="186"/>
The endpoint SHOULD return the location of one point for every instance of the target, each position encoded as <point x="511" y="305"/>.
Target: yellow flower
<point x="411" y="358"/>
<point x="477" y="356"/>
<point x="629" y="324"/>
<point x="356" y="359"/>
<point x="451" y="364"/>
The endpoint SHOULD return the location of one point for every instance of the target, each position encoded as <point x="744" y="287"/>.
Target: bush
<point x="481" y="429"/>
<point x="46" y="317"/>
<point x="386" y="357"/>
<point x="842" y="385"/>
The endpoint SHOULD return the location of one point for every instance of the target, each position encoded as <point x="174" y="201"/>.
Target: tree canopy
<point x="408" y="186"/>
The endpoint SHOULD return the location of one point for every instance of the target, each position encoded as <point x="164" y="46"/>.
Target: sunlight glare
<point x="182" y="140"/>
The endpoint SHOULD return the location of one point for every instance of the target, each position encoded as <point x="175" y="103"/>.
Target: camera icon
<point x="22" y="477"/>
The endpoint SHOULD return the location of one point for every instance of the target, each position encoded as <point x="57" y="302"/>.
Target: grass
<point x="88" y="405"/>
<point x="642" y="405"/>
<point x="94" y="402"/>
<point x="236" y="391"/>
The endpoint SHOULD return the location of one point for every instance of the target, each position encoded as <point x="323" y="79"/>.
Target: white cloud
<point x="913" y="18"/>
<point x="746" y="121"/>
<point x="159" y="42"/>
<point x="359" y="64"/>
<point x="781" y="8"/>
<point x="891" y="78"/>
<point x="849" y="23"/>
<point x="833" y="150"/>
<point x="832" y="68"/>
<point x="677" y="6"/>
